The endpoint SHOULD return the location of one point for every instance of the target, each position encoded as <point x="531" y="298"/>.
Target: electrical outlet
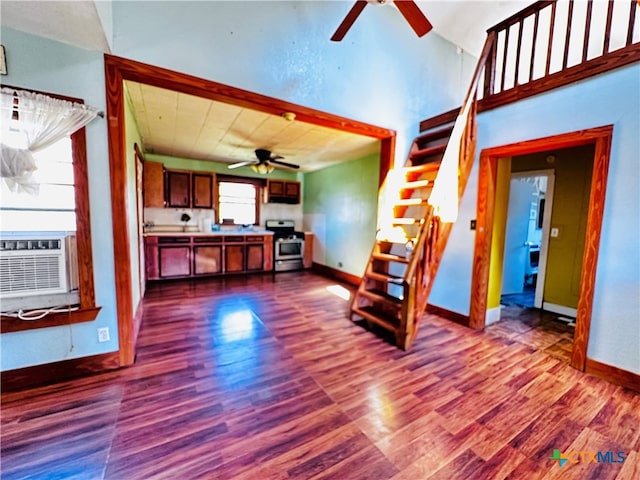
<point x="103" y="334"/>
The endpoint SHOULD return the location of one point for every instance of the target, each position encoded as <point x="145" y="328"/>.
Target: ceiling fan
<point x="408" y="9"/>
<point x="263" y="162"/>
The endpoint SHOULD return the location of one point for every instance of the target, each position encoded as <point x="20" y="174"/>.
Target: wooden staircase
<point x="411" y="237"/>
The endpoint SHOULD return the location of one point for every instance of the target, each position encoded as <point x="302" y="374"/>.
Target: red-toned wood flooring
<point x="264" y="377"/>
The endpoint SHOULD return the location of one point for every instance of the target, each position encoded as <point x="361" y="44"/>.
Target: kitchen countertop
<point x="207" y="234"/>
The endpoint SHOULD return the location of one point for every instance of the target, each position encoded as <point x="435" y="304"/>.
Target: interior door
<point x="515" y="247"/>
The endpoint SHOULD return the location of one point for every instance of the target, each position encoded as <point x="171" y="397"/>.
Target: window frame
<point x="88" y="310"/>
<point x="257" y="183"/>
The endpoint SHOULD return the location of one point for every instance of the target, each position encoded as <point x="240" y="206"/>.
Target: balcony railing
<point x="550" y="44"/>
<point x="549" y="37"/>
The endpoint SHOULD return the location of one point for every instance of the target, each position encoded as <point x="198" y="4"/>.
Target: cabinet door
<point x="153" y="184"/>
<point x="255" y="257"/>
<point x="174" y="261"/>
<point x="307" y="259"/>
<point x="276" y="188"/>
<point x="234" y="258"/>
<point x="178" y="191"/>
<point x="202" y="190"/>
<point x="151" y="258"/>
<point x="292" y="189"/>
<point x="207" y="259"/>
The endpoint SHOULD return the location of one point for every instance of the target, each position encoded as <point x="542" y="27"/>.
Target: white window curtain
<point x="32" y="121"/>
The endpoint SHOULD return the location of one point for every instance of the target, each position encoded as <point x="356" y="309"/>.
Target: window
<point x="237" y="200"/>
<point x="53" y="207"/>
<point x="62" y="204"/>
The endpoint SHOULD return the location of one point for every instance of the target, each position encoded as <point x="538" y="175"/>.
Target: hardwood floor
<point x="542" y="330"/>
<point x="265" y="377"/>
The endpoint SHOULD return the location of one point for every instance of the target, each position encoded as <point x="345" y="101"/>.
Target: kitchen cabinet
<point x="173" y="256"/>
<point x="283" y="191"/>
<point x="202" y="191"/>
<point x="307" y="256"/>
<point x="207" y="255"/>
<point x="174" y="261"/>
<point x="178" y="189"/>
<point x="255" y="254"/>
<point x="189" y="189"/>
<point x="153" y="184"/>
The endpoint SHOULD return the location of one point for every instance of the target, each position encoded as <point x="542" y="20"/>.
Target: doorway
<point x="600" y="139"/>
<point x="528" y="221"/>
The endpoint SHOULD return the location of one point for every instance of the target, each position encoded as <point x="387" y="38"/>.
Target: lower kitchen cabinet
<point x="234" y="258"/>
<point x="174" y="261"/>
<point x="169" y="256"/>
<point x="207" y="259"/>
<point x="255" y="257"/>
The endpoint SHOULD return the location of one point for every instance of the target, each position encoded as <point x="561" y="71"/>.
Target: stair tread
<point x="435" y="134"/>
<point x="413" y="184"/>
<point x="383" y="319"/>
<point x="424" y="168"/>
<point x="426" y="152"/>
<point x="390" y="257"/>
<point x="379" y="295"/>
<point x="384" y="277"/>
<point x="405" y="221"/>
<point x="411" y="202"/>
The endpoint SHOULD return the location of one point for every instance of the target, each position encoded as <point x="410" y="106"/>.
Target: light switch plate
<point x="555" y="232"/>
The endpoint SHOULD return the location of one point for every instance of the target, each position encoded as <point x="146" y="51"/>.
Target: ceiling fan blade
<point x="348" y="20"/>
<point x="241" y="164"/>
<point x="414" y="16"/>
<point x="284" y="164"/>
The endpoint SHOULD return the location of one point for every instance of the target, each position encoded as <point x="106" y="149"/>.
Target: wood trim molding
<point x="338" y="275"/>
<point x="448" y="314"/>
<point x="49" y="373"/>
<point x="119" y="69"/>
<point x="601" y="138"/>
<point x="10" y="324"/>
<point x="612" y="374"/>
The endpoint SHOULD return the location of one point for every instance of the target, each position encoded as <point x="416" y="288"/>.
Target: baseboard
<point x="492" y="315"/>
<point x="560" y="309"/>
<point x="613" y="374"/>
<point x="449" y="315"/>
<point x="39" y="375"/>
<point x="336" y="274"/>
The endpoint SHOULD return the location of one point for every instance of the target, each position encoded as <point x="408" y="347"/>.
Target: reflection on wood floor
<point x="264" y="377"/>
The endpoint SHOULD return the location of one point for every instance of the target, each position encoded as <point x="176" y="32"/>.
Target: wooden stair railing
<point x="411" y="236"/>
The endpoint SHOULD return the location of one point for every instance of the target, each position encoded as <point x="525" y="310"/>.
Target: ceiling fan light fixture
<point x="262" y="168"/>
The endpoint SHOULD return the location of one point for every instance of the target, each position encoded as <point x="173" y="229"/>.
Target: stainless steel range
<point x="288" y="245"/>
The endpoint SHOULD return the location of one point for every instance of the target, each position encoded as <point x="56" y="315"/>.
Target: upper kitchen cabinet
<point x="153" y="180"/>
<point x="178" y="189"/>
<point x="189" y="189"/>
<point x="283" y="191"/>
<point x="202" y="184"/>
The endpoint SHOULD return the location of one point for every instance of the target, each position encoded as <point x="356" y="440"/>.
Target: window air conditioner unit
<point x="37" y="265"/>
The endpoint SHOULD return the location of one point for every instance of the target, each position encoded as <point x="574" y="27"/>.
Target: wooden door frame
<point x="117" y="70"/>
<point x="600" y="137"/>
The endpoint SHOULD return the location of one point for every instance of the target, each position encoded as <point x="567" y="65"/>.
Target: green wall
<point x="573" y="170"/>
<point x="180" y="163"/>
<point x="340" y="206"/>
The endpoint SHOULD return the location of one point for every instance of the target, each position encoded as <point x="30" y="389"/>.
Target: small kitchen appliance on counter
<point x="288" y="245"/>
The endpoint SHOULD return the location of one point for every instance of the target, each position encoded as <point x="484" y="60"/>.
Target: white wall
<point x="612" y="98"/>
<point x="381" y="73"/>
<point x="48" y="66"/>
